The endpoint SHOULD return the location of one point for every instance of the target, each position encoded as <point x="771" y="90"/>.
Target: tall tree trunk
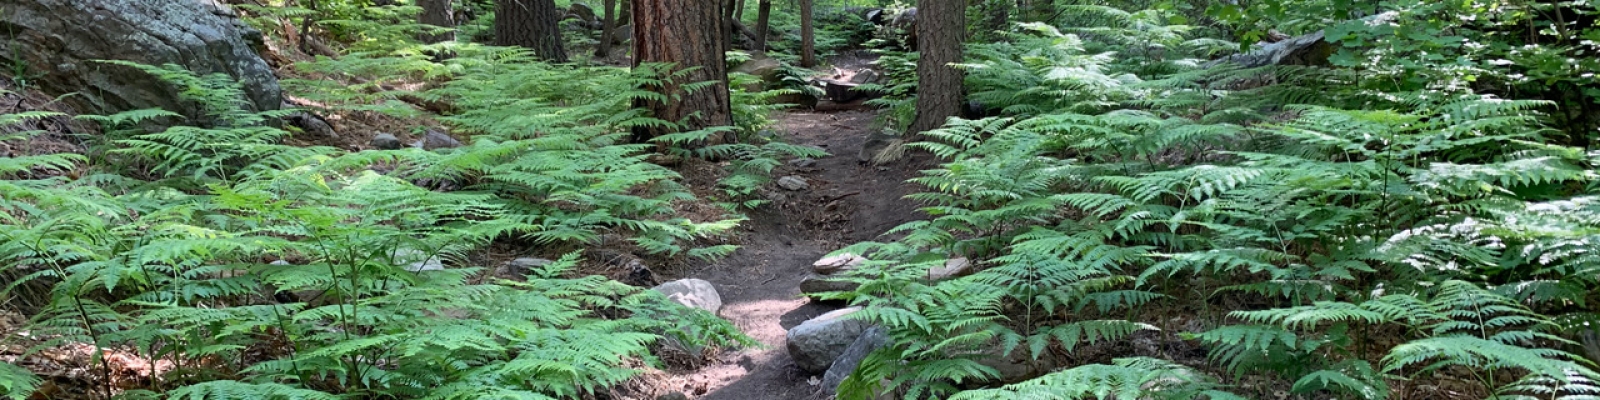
<point x="941" y="25"/>
<point x="808" y="48"/>
<point x="534" y="24"/>
<point x="688" y="34"/>
<point x="738" y="10"/>
<point x="437" y="13"/>
<point x="763" y="15"/>
<point x="608" y="27"/>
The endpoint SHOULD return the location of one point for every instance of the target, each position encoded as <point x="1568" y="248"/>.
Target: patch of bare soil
<point x="846" y="202"/>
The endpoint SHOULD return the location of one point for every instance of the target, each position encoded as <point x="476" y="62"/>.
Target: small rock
<point x="873" y="339"/>
<point x="814" y="284"/>
<point x="436" y="139"/>
<point x="1017" y="366"/>
<point x="278" y="262"/>
<point x="384" y="141"/>
<point x="875" y="144"/>
<point x="955" y="267"/>
<point x="816" y="343"/>
<point x="417" y="261"/>
<point x="695" y="293"/>
<point x="792" y="182"/>
<point x="311" y="124"/>
<point x="522" y="266"/>
<point x="802" y="163"/>
<point x="673" y="396"/>
<point x="833" y="264"/>
<point x="639" y="274"/>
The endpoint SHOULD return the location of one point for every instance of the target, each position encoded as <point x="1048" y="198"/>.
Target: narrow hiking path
<point x="847" y="202"/>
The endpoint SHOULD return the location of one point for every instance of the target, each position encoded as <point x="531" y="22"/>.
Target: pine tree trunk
<point x="534" y="24"/>
<point x="608" y="18"/>
<point x="738" y="10"/>
<point x="763" y="17"/>
<point x="941" y="25"/>
<point x="437" y="13"/>
<point x="808" y="50"/>
<point x="689" y="34"/>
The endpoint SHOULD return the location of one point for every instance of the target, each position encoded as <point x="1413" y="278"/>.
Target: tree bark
<point x="941" y="25"/>
<point x="608" y="19"/>
<point x="727" y="24"/>
<point x="437" y="13"/>
<point x="808" y="50"/>
<point x="534" y="24"/>
<point x="763" y="17"/>
<point x="688" y="34"/>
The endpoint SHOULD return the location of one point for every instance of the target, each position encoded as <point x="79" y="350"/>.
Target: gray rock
<point x="522" y="266"/>
<point x="622" y="34"/>
<point x="384" y="141"/>
<point x="816" y="343"/>
<point x="761" y="66"/>
<point x="673" y="396"/>
<point x="693" y="293"/>
<point x="865" y="76"/>
<point x="1310" y="49"/>
<point x="792" y="182"/>
<point x="802" y="163"/>
<point x="582" y="12"/>
<point x="874" y="146"/>
<point x="815" y="284"/>
<point x="1017" y="366"/>
<point x="312" y="125"/>
<point x="834" y="264"/>
<point x="436" y="139"/>
<point x="59" y="40"/>
<point x="416" y="260"/>
<point x="873" y="339"/>
<point x="954" y="267"/>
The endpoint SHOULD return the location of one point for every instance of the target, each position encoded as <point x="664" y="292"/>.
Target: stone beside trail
<point x="816" y="343"/>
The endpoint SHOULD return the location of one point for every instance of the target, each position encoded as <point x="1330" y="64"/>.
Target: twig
<point x="837" y="198"/>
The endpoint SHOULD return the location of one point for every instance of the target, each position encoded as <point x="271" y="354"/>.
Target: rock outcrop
<point x="60" y="40"/>
<point x="816" y="343"/>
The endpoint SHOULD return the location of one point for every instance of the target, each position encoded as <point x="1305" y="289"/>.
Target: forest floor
<point x="847" y="202"/>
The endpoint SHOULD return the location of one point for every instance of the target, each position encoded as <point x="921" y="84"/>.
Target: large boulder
<point x="873" y="339"/>
<point x="816" y="343"/>
<point x="695" y="293"/>
<point x="59" y="41"/>
<point x="1311" y="49"/>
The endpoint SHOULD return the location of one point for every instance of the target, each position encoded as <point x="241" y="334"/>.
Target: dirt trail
<point x="847" y="202"/>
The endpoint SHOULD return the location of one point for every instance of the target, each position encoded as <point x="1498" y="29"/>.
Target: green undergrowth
<point x="1339" y="241"/>
<point x="263" y="270"/>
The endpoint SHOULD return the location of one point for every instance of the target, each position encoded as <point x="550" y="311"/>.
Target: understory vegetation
<point x="1419" y="214"/>
<point x="248" y="268"/>
<point x="1360" y="232"/>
